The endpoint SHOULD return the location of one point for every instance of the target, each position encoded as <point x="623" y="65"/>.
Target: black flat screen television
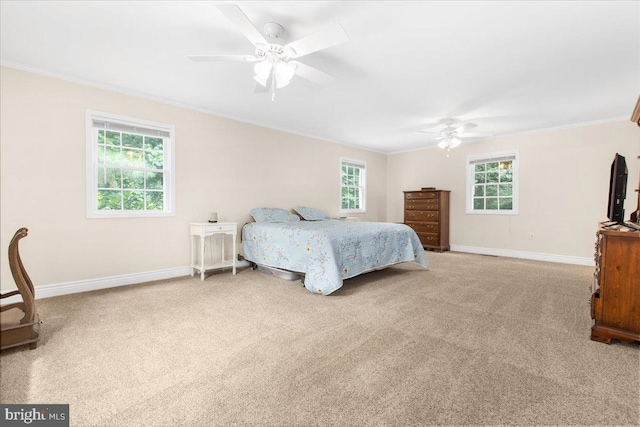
<point x="617" y="189"/>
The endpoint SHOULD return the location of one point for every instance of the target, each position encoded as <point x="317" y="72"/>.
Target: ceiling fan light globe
<point x="281" y="83"/>
<point x="260" y="80"/>
<point x="454" y="142"/>
<point x="283" y="72"/>
<point x="263" y="69"/>
<point x="443" y="144"/>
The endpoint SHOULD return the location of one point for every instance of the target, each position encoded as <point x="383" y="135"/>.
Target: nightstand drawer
<point x="205" y="229"/>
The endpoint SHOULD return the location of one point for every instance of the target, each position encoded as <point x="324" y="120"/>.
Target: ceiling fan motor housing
<point x="273" y="30"/>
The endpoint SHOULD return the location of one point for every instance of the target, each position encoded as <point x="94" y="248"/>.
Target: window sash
<point x="495" y="198"/>
<point x="101" y="121"/>
<point x="358" y="168"/>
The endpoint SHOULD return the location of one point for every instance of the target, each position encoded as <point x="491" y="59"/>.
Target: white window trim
<point x="363" y="193"/>
<point x="92" y="164"/>
<point x="516" y="183"/>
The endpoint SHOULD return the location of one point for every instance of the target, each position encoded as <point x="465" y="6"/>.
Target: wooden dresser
<point x="427" y="212"/>
<point x="615" y="302"/>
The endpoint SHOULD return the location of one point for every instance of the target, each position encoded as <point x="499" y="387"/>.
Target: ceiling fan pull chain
<point x="273" y="86"/>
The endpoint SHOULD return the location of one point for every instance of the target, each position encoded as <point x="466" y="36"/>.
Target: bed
<point x="328" y="251"/>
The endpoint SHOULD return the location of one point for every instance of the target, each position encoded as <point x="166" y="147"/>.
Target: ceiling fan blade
<point x="429" y="132"/>
<point x="474" y="134"/>
<point x="240" y="20"/>
<point x="312" y="74"/>
<point x="328" y="37"/>
<point x="215" y="58"/>
<point x="465" y="126"/>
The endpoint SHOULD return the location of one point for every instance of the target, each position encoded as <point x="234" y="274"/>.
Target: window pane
<point x="345" y="198"/>
<point x="101" y="137"/>
<point x="478" y="190"/>
<point x="154" y="159"/>
<point x="155" y="200"/>
<point x="480" y="167"/>
<point x="109" y="200"/>
<point x="132" y="179"/>
<point x="102" y="178"/>
<point x="356" y="198"/>
<point x="478" y="204"/>
<point x="155" y="180"/>
<point x="133" y="200"/>
<point x="129" y="140"/>
<point x="344" y="176"/>
<point x="492" y="203"/>
<point x="112" y="156"/>
<point x="506" y="189"/>
<point x="356" y="178"/>
<point x="505" y="165"/>
<point x="480" y="178"/>
<point x="113" y="138"/>
<point x="109" y="178"/>
<point x="506" y="175"/>
<point x="492" y="166"/>
<point x="491" y="190"/>
<point x="100" y="154"/>
<point x="506" y="203"/>
<point x="492" y="176"/>
<point x="152" y="143"/>
<point x="133" y="158"/>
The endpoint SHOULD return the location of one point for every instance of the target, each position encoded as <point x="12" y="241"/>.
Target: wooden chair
<point x="19" y="321"/>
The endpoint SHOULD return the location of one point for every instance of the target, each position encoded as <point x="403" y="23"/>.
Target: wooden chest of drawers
<point x="615" y="302"/>
<point x="427" y="212"/>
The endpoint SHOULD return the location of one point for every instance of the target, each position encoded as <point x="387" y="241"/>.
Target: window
<point x="130" y="167"/>
<point x="492" y="183"/>
<point x="352" y="186"/>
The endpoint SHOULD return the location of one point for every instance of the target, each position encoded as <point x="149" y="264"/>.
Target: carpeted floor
<point x="474" y="341"/>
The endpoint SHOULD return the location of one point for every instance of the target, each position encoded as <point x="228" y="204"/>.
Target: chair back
<point x="21" y="278"/>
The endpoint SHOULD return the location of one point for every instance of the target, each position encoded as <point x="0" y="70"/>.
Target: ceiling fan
<point x="452" y="132"/>
<point x="275" y="64"/>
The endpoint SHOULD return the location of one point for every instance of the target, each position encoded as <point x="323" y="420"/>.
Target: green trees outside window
<point x="493" y="185"/>
<point x="130" y="171"/>
<point x="352" y="187"/>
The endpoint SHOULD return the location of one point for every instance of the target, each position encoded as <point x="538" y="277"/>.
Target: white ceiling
<point x="508" y="66"/>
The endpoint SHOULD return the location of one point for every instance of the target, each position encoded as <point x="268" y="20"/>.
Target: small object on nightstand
<point x="204" y="230"/>
<point x="213" y="217"/>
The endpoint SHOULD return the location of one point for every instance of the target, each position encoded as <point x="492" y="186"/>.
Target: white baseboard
<point x="54" y="290"/>
<point x="564" y="259"/>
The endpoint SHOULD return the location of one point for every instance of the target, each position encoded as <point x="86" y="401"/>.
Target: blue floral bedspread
<point x="330" y="251"/>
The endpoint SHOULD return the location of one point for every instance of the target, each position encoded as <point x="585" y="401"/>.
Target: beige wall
<point x="222" y="165"/>
<point x="230" y="167"/>
<point x="564" y="178"/>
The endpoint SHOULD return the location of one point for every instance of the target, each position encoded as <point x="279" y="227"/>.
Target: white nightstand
<point x="208" y="229"/>
<point x="347" y="218"/>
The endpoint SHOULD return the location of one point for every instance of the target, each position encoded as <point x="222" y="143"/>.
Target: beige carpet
<point x="474" y="341"/>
